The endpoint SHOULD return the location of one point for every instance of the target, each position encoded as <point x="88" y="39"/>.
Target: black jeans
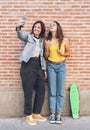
<point x="32" y="79"/>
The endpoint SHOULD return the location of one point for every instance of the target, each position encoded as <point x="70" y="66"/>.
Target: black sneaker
<point x="58" y="119"/>
<point x="52" y="118"/>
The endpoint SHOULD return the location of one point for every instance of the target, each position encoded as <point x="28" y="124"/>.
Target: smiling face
<point x="37" y="29"/>
<point x="53" y="27"/>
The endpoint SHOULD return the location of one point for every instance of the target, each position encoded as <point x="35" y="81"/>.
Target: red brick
<point x="75" y="21"/>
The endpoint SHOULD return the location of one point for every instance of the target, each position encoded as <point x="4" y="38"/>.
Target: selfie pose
<point x="33" y="70"/>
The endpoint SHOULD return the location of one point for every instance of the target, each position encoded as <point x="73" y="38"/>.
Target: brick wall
<point x="74" y="17"/>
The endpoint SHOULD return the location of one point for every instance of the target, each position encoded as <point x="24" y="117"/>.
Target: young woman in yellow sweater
<point x="56" y="51"/>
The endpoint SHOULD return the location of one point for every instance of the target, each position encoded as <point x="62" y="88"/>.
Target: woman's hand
<point x="23" y="21"/>
<point x="60" y="52"/>
<point x="45" y="74"/>
<point x="20" y="24"/>
<point x="67" y="49"/>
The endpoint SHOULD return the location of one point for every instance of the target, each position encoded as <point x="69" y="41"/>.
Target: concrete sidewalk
<point x="83" y="123"/>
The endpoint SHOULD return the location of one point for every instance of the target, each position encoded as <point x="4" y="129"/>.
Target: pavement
<point x="82" y="123"/>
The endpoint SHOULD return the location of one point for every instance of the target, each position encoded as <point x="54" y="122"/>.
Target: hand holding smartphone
<point x="21" y="23"/>
<point x="23" y="20"/>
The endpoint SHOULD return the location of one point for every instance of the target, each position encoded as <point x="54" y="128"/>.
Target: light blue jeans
<point x="56" y="82"/>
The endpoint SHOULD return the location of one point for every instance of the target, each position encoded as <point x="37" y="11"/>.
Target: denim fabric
<point x="56" y="81"/>
<point x="29" y="48"/>
<point x="27" y="52"/>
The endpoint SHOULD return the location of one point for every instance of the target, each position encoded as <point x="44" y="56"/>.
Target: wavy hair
<point x="59" y="34"/>
<point x="42" y="34"/>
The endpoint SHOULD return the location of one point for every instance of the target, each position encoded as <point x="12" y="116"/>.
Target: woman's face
<point x="53" y="27"/>
<point x="37" y="29"/>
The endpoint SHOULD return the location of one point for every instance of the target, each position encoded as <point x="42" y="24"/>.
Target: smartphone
<point x="23" y="20"/>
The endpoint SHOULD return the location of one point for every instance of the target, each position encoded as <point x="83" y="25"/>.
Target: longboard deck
<point x="74" y="101"/>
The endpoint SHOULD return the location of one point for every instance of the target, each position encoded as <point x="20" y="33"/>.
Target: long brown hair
<point x="59" y="34"/>
<point x="42" y="34"/>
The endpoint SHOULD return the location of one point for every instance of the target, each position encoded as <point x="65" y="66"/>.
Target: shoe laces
<point x="52" y="116"/>
<point x="39" y="115"/>
<point x="31" y="118"/>
<point x="58" y="117"/>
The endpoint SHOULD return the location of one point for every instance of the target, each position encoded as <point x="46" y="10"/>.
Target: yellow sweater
<point x="54" y="56"/>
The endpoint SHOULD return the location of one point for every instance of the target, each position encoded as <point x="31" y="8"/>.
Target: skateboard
<point x="74" y="101"/>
